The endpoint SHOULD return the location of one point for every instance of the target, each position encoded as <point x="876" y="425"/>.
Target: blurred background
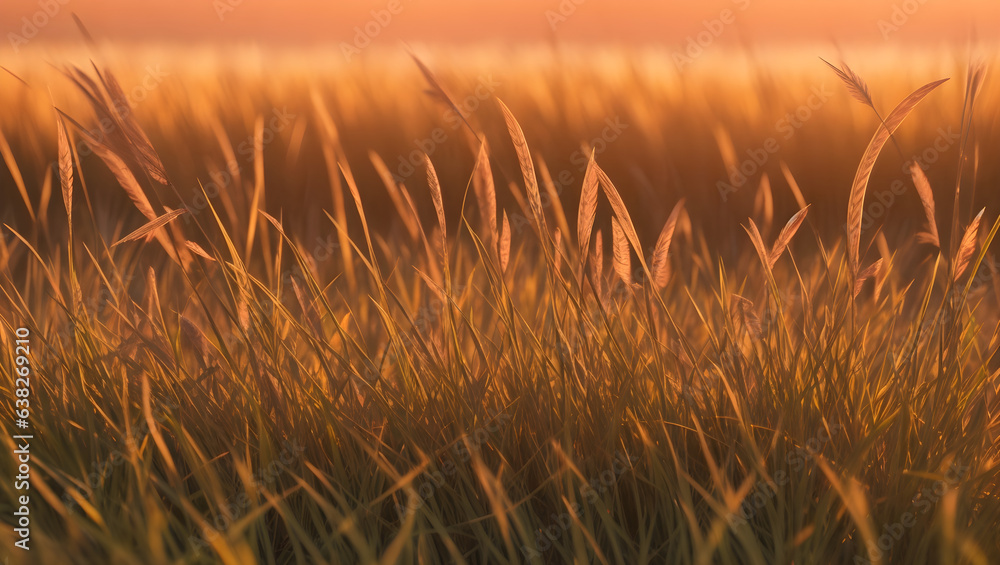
<point x="722" y="102"/>
<point x="636" y="22"/>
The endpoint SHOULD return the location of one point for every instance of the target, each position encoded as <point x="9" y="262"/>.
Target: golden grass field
<point x="288" y="309"/>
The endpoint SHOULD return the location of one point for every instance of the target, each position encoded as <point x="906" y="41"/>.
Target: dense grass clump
<point x="257" y="337"/>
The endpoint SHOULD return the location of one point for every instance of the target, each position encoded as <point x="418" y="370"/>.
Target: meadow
<point x="535" y="306"/>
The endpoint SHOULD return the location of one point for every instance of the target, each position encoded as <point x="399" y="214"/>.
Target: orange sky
<point x="666" y="22"/>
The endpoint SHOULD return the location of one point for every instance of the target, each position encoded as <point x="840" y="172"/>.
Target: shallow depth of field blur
<point x="312" y="361"/>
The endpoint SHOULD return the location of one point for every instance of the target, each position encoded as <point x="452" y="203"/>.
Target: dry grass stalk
<point x="198" y="250"/>
<point x="405" y="214"/>
<point x="196" y="338"/>
<point x="726" y="148"/>
<point x="588" y="208"/>
<point x="503" y="244"/>
<point x="881" y="276"/>
<point x="331" y="149"/>
<point x="923" y="187"/>
<point x="527" y="168"/>
<point x="744" y="316"/>
<point x="486" y="194"/>
<point x="438" y="92"/>
<point x="43" y="200"/>
<point x="307" y="309"/>
<point x="552" y="193"/>
<point x="622" y="258"/>
<point x="15" y="172"/>
<point x="258" y="184"/>
<point x="870" y="271"/>
<point x="119" y="108"/>
<point x="597" y="265"/>
<point x="786" y="235"/>
<point x="152" y="296"/>
<point x="411" y="215"/>
<point x="88" y="39"/>
<point x="146" y="231"/>
<point x="660" y="268"/>
<point x="522" y="204"/>
<point x="793" y="185"/>
<point x="124" y="176"/>
<point x="856" y="86"/>
<point x="764" y="202"/>
<point x="242" y="314"/>
<point x="437" y="198"/>
<point x="110" y="104"/>
<point x="356" y="196"/>
<point x="855" y="207"/>
<point x="557" y="248"/>
<point x="128" y="182"/>
<point x="975" y="75"/>
<point x="65" y="169"/>
<point x="628" y="228"/>
<point x="758" y="244"/>
<point x="17" y="78"/>
<point x="968" y="245"/>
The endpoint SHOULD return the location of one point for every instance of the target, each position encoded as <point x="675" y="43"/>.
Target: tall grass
<point x="440" y="385"/>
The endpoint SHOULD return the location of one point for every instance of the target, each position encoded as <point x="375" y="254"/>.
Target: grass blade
<point x="855" y="207"/>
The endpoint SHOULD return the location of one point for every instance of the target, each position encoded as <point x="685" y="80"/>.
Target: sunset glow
<point x="311" y="22"/>
<point x="511" y="282"/>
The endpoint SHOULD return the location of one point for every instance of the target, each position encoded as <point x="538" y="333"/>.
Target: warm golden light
<point x="308" y="22"/>
<point x="474" y="282"/>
